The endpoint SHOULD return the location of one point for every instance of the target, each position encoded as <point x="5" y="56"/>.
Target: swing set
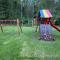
<point x="17" y="22"/>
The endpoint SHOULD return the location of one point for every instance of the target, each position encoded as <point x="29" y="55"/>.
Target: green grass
<point x="26" y="46"/>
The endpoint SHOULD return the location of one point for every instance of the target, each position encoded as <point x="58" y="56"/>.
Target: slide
<point x="54" y="26"/>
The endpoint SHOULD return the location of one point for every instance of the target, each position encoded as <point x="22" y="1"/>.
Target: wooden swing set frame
<point x="16" y="21"/>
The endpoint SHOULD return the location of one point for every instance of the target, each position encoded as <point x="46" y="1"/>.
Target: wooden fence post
<point x="18" y="26"/>
<point x="1" y="28"/>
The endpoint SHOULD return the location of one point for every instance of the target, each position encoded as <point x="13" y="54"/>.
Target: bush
<point x="57" y="22"/>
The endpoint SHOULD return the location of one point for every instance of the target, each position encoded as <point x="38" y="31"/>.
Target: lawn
<point x="26" y="46"/>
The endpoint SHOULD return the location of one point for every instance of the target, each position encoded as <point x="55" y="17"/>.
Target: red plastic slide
<point x="54" y="26"/>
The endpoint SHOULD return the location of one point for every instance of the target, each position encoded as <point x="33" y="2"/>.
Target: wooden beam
<point x="1" y="28"/>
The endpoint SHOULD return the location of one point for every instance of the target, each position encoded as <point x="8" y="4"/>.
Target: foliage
<point x="13" y="9"/>
<point x="58" y="22"/>
<point x="4" y="9"/>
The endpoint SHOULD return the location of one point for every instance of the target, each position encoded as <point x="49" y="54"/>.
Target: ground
<point x="26" y="46"/>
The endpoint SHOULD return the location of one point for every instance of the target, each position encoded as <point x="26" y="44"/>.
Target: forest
<point x="25" y="9"/>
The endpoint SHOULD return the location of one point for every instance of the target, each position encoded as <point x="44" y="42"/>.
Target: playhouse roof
<point x="45" y="13"/>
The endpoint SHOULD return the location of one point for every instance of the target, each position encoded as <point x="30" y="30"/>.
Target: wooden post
<point x="32" y="23"/>
<point x="54" y="21"/>
<point x="22" y="22"/>
<point x="1" y="28"/>
<point x="18" y="26"/>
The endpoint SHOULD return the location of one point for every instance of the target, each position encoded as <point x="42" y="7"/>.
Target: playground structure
<point x="54" y="26"/>
<point x="11" y="22"/>
<point x="45" y="25"/>
<point x="8" y="22"/>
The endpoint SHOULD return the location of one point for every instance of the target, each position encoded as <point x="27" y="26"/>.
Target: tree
<point x="3" y="9"/>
